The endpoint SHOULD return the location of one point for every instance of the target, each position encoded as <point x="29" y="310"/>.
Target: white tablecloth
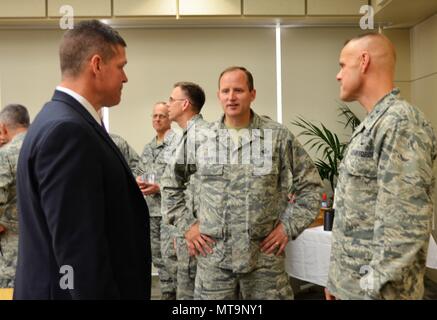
<point x="307" y="257"/>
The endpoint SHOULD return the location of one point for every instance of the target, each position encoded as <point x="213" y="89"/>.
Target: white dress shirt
<point x="84" y="102"/>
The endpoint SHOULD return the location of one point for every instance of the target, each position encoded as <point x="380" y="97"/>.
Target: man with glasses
<point x="152" y="164"/>
<point x="184" y="106"/>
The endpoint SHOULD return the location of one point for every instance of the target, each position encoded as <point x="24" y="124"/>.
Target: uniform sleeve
<point x="129" y="154"/>
<point x="173" y="186"/>
<point x="404" y="206"/>
<point x="6" y="179"/>
<point x="144" y="161"/>
<point x="133" y="161"/>
<point x="306" y="184"/>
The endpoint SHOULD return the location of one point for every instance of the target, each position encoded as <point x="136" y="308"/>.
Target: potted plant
<point x="327" y="142"/>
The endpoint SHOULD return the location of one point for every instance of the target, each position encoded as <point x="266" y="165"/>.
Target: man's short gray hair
<point x="14" y="116"/>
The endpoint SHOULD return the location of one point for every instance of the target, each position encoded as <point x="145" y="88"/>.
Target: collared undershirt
<point x="84" y="102"/>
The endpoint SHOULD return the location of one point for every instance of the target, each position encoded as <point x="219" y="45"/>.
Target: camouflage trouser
<point x="169" y="254"/>
<point x="267" y="281"/>
<point x="8" y="262"/>
<point x="168" y="288"/>
<point x="186" y="271"/>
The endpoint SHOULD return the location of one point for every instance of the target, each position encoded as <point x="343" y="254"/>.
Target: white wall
<point x="424" y="77"/>
<point x="424" y="67"/>
<point x="310" y="65"/>
<point x="29" y="67"/>
<point x="157" y="58"/>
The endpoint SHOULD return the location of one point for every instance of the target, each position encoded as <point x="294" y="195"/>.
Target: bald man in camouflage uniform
<point x="15" y="120"/>
<point x="244" y="220"/>
<point x="385" y="187"/>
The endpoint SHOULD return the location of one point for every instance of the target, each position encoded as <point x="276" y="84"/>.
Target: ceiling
<point x="388" y="13"/>
<point x="405" y="13"/>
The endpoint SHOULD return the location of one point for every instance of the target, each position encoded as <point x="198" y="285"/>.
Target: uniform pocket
<point x="211" y="200"/>
<point x="263" y="200"/>
<point x="359" y="163"/>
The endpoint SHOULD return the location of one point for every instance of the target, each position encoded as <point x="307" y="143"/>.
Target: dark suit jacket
<point x="79" y="206"/>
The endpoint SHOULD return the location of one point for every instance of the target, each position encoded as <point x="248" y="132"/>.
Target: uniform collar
<point x="193" y="120"/>
<point x="168" y="138"/>
<point x="255" y="121"/>
<point x="380" y="108"/>
<point x="19" y="135"/>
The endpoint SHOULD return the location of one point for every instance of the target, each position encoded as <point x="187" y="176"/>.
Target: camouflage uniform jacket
<point x="154" y="159"/>
<point x="384" y="205"/>
<point x="183" y="154"/>
<point x="242" y="199"/>
<point x="8" y="192"/>
<point x="128" y="153"/>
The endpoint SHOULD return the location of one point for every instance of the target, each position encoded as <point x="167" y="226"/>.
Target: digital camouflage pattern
<point x="8" y="210"/>
<point x="241" y="202"/>
<point x="384" y="205"/>
<point x="269" y="282"/>
<point x="167" y="275"/>
<point x="186" y="271"/>
<point x="186" y="265"/>
<point x="132" y="158"/>
<point x="154" y="160"/>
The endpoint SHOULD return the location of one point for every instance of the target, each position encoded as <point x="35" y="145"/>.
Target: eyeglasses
<point x="159" y="116"/>
<point x="171" y="100"/>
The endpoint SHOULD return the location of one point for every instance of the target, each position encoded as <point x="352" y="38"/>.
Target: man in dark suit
<point x="84" y="231"/>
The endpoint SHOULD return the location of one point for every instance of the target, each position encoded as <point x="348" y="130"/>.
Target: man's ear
<point x="4" y="137"/>
<point x="365" y="61"/>
<point x="253" y="95"/>
<point x="95" y="63"/>
<point x="185" y="105"/>
<point x="3" y="129"/>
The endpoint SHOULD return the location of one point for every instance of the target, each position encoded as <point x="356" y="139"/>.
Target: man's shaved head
<point x="381" y="49"/>
<point x="367" y="71"/>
